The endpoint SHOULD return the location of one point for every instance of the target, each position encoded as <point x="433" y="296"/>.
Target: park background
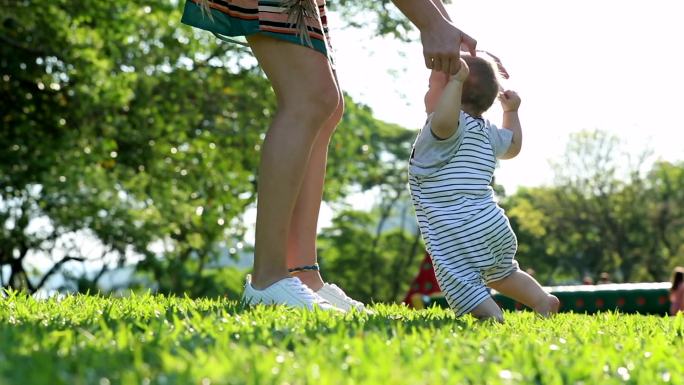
<point x="130" y="143"/>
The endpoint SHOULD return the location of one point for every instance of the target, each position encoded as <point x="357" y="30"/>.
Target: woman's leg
<point x="307" y="96"/>
<point x="302" y="240"/>
<point x="301" y="249"/>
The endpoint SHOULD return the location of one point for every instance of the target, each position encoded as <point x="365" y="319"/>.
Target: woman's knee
<point x="317" y="103"/>
<point x="336" y="116"/>
<point x="339" y="110"/>
<point x="326" y="130"/>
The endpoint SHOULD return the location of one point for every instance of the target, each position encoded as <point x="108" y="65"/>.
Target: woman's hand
<point x="442" y="43"/>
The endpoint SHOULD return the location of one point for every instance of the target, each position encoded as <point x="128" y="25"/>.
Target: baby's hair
<point x="482" y="85"/>
<point x="677" y="277"/>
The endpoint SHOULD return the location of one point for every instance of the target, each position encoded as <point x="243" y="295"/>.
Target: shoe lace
<point x="298" y="287"/>
<point x="344" y="295"/>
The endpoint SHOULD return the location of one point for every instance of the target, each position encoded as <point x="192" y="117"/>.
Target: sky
<point x="586" y="64"/>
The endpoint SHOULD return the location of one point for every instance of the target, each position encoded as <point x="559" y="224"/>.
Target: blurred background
<point x="130" y="142"/>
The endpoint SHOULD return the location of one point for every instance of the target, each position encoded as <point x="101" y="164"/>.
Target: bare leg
<point x="307" y="96"/>
<point x="301" y="249"/>
<point x="488" y="309"/>
<point x="523" y="288"/>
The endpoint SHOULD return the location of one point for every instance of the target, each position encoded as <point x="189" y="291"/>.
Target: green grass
<point x="161" y="340"/>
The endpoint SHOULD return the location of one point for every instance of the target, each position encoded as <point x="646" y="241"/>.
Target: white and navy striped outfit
<point x="466" y="233"/>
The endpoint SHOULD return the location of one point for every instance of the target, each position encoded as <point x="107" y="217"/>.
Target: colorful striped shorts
<point x="301" y="22"/>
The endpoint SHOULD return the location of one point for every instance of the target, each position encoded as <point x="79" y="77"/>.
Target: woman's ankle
<point x="264" y="280"/>
<point x="311" y="278"/>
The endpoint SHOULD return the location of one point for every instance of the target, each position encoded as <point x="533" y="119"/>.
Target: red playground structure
<point x="425" y="283"/>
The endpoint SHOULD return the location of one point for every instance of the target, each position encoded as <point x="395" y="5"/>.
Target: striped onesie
<point x="466" y="233"/>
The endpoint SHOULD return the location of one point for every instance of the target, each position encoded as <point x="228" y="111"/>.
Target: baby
<point x="466" y="233"/>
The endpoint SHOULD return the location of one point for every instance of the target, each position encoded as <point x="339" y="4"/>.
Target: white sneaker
<point x="288" y="291"/>
<point x="338" y="298"/>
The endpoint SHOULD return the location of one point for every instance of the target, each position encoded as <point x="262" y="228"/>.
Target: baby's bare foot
<point x="548" y="306"/>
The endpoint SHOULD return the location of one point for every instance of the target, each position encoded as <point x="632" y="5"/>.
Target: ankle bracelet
<point x="300" y="269"/>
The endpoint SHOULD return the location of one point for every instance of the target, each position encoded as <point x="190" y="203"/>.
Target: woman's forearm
<point x="440" y="6"/>
<point x="422" y="13"/>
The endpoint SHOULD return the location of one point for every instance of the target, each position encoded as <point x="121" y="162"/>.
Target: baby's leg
<point x="467" y="294"/>
<point x="488" y="309"/>
<point x="523" y="288"/>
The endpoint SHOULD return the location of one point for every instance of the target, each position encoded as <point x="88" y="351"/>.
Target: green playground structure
<point x="642" y="298"/>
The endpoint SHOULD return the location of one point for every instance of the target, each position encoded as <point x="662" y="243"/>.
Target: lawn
<point x="149" y="339"/>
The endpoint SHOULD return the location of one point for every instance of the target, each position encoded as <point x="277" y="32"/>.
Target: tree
<point x="380" y="16"/>
<point x="604" y="213"/>
<point x="372" y="254"/>
<point x="123" y="126"/>
<point x="665" y="183"/>
<point x="114" y="130"/>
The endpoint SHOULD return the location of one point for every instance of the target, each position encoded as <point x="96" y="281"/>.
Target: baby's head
<point x="481" y="86"/>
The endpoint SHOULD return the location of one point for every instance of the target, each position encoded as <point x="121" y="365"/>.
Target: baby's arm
<point x="510" y="101"/>
<point x="437" y="84"/>
<point x="448" y="109"/>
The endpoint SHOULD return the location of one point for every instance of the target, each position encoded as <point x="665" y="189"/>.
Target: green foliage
<point x="171" y="340"/>
<point x="604" y="213"/>
<point x="665" y="182"/>
<point x="372" y="255"/>
<point x="123" y="125"/>
<point x="371" y="265"/>
<point x="380" y="16"/>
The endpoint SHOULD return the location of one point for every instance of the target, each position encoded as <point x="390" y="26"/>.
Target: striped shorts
<point x="471" y="244"/>
<point x="301" y="22"/>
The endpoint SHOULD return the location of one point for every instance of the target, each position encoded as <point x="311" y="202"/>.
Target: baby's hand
<point x="462" y="73"/>
<point x="510" y="101"/>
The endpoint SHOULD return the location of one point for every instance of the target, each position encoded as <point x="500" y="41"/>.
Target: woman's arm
<point x="441" y="9"/>
<point x="441" y="39"/>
